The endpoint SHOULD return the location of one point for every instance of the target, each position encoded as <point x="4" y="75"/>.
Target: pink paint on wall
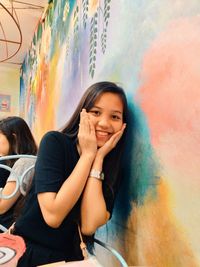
<point x="170" y="98"/>
<point x="170" y="94"/>
<point x="171" y="69"/>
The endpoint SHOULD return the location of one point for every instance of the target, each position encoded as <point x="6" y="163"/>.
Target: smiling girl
<point x="77" y="175"/>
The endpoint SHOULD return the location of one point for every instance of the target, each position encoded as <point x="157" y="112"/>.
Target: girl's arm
<point x="55" y="206"/>
<point x="6" y="204"/>
<point x="93" y="207"/>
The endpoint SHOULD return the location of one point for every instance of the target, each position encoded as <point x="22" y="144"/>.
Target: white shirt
<point x="19" y="169"/>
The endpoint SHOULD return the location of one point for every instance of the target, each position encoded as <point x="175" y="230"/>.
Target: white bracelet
<point x="97" y="174"/>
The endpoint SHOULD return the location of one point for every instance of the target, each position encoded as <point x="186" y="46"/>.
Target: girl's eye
<point x="95" y="112"/>
<point x="115" y="117"/>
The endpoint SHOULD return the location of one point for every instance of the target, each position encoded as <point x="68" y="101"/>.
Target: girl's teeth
<point x="102" y="133"/>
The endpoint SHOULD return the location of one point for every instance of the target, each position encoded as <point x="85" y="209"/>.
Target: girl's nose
<point x="104" y="122"/>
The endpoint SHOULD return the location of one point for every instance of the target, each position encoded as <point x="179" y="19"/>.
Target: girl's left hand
<point x="111" y="143"/>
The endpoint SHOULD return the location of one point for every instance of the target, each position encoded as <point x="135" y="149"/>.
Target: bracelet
<point x="97" y="174"/>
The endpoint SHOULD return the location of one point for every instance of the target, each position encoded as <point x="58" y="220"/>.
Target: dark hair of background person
<point x="19" y="136"/>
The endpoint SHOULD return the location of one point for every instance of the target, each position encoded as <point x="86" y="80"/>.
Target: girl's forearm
<point x="93" y="206"/>
<point x="56" y="206"/>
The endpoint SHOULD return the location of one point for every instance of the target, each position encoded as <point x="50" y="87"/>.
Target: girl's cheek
<point x="119" y="127"/>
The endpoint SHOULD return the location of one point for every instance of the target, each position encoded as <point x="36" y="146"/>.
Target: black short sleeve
<point x="50" y="168"/>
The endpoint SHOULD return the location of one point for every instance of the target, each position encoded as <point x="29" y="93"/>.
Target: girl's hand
<point x="86" y="135"/>
<point x="111" y="143"/>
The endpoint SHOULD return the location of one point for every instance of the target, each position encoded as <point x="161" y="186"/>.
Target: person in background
<point x="15" y="138"/>
<point x="77" y="176"/>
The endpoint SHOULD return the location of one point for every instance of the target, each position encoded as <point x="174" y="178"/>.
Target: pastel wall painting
<point x="152" y="49"/>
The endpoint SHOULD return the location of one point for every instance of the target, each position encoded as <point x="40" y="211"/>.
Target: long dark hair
<point x="19" y="136"/>
<point x="112" y="162"/>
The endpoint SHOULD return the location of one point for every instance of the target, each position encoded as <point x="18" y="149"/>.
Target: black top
<point x="6" y="219"/>
<point x="56" y="160"/>
<point x="3" y="174"/>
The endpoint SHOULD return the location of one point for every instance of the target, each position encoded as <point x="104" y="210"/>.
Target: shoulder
<point x="24" y="162"/>
<point x="21" y="166"/>
<point x="53" y="138"/>
<point x="55" y="135"/>
<point x="54" y="145"/>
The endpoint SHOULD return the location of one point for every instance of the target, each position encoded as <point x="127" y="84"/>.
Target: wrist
<point x="88" y="156"/>
<point x="100" y="154"/>
<point x="97" y="174"/>
<point x="98" y="159"/>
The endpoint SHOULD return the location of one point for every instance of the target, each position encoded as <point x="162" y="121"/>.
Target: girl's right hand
<point x="86" y="136"/>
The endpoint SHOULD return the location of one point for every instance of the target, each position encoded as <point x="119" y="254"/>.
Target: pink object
<point x="12" y="247"/>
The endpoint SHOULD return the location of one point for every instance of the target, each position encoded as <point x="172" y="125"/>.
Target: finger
<point x="82" y="128"/>
<point x="92" y="128"/>
<point x="81" y="116"/>
<point x="123" y="126"/>
<point x="86" y="121"/>
<point x="117" y="136"/>
<point x="84" y="124"/>
<point x="81" y="121"/>
<point x="120" y="132"/>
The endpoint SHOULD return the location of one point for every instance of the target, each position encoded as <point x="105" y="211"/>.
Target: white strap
<point x="82" y="244"/>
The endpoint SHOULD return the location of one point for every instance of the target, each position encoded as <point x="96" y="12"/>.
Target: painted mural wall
<point x="152" y="49"/>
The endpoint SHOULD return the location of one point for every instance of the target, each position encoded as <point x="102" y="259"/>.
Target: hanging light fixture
<point x="10" y="43"/>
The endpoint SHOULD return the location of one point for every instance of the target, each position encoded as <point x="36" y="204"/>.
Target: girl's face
<point x="106" y="116"/>
<point x="4" y="145"/>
